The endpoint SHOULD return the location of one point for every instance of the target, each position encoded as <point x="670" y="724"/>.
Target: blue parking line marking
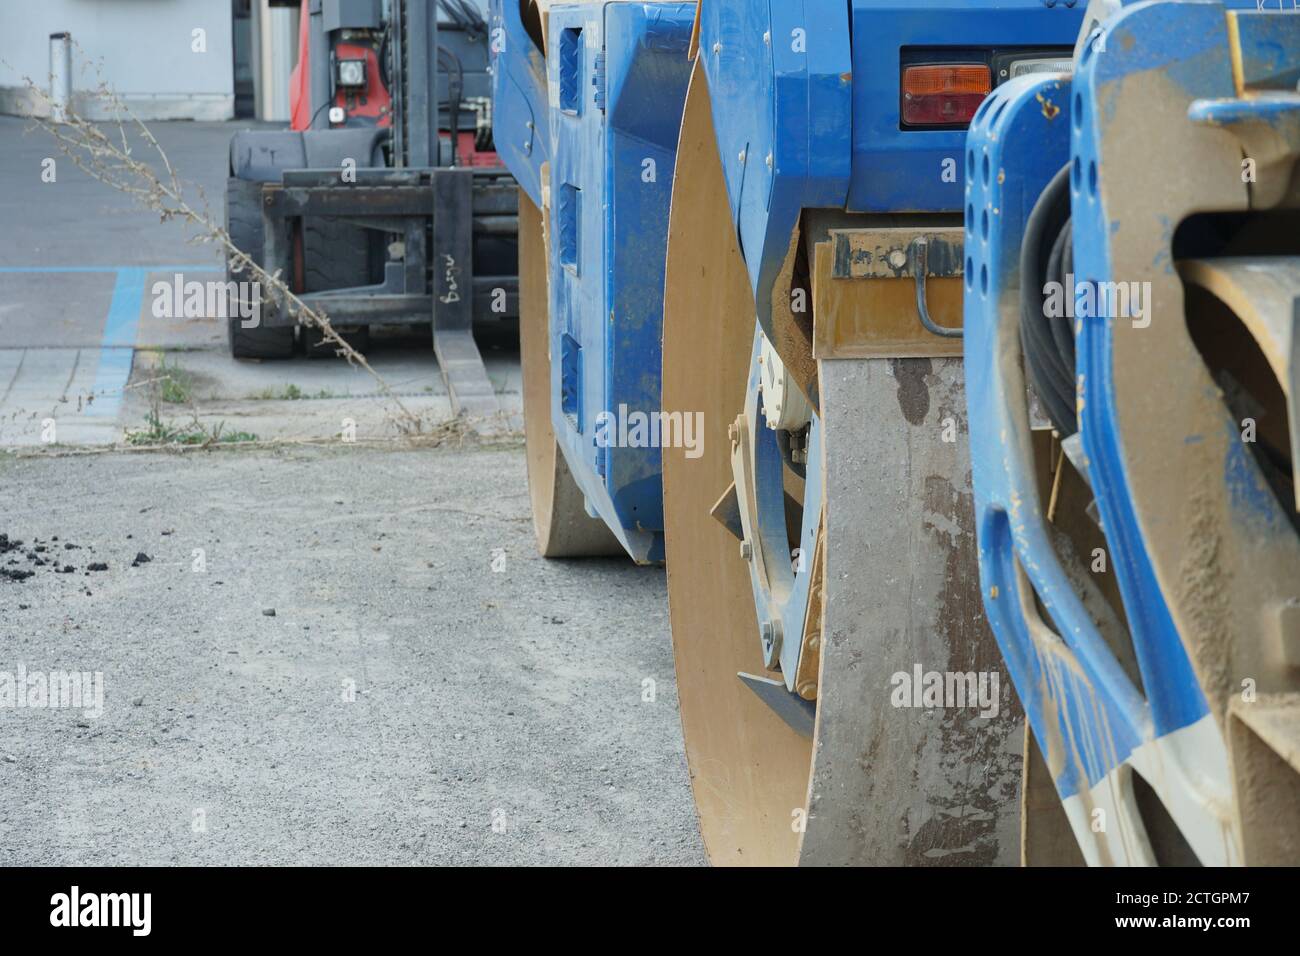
<point x="190" y="267"/>
<point x="117" y="349"/>
<point x="124" y="311"/>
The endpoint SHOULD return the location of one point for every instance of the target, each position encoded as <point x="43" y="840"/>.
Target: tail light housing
<point x="943" y="94"/>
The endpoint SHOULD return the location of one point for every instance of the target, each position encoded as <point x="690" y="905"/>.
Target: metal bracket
<point x="889" y="252"/>
<point x="919" y="253"/>
<point x="799" y="714"/>
<point x="890" y="315"/>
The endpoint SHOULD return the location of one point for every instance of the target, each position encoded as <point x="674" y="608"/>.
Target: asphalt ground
<point x="339" y="646"/>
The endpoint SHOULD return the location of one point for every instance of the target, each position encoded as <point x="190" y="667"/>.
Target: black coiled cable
<point x="1047" y="256"/>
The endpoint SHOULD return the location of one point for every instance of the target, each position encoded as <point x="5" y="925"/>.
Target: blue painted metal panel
<point x="1188" y="42"/>
<point x="827" y="73"/>
<point x="519" y="111"/>
<point x="619" y="73"/>
<point x="896" y="169"/>
<point x="778" y="67"/>
<point x="1076" y="691"/>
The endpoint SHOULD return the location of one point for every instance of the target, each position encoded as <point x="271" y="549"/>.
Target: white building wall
<point x="166" y="59"/>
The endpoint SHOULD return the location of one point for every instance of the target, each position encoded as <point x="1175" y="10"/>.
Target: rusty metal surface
<point x="885" y="253"/>
<point x="856" y="318"/>
<point x="905" y="785"/>
<point x="790" y="328"/>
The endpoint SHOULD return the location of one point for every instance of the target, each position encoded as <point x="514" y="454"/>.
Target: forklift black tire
<point x="244" y="224"/>
<point x="272" y="343"/>
<point x="336" y="254"/>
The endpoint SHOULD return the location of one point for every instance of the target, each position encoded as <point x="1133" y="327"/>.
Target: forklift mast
<point x="419" y="69"/>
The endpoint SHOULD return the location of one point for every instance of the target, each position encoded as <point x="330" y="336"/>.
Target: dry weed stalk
<point x="109" y="158"/>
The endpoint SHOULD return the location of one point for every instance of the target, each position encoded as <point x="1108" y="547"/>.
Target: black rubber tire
<point x="244" y="223"/>
<point x="336" y="255"/>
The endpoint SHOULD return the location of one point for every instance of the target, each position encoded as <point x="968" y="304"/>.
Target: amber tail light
<point x="944" y="94"/>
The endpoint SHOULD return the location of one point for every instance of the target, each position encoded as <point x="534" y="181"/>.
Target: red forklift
<point x="384" y="203"/>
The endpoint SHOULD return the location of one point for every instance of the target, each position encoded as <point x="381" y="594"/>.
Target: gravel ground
<point x="498" y="715"/>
